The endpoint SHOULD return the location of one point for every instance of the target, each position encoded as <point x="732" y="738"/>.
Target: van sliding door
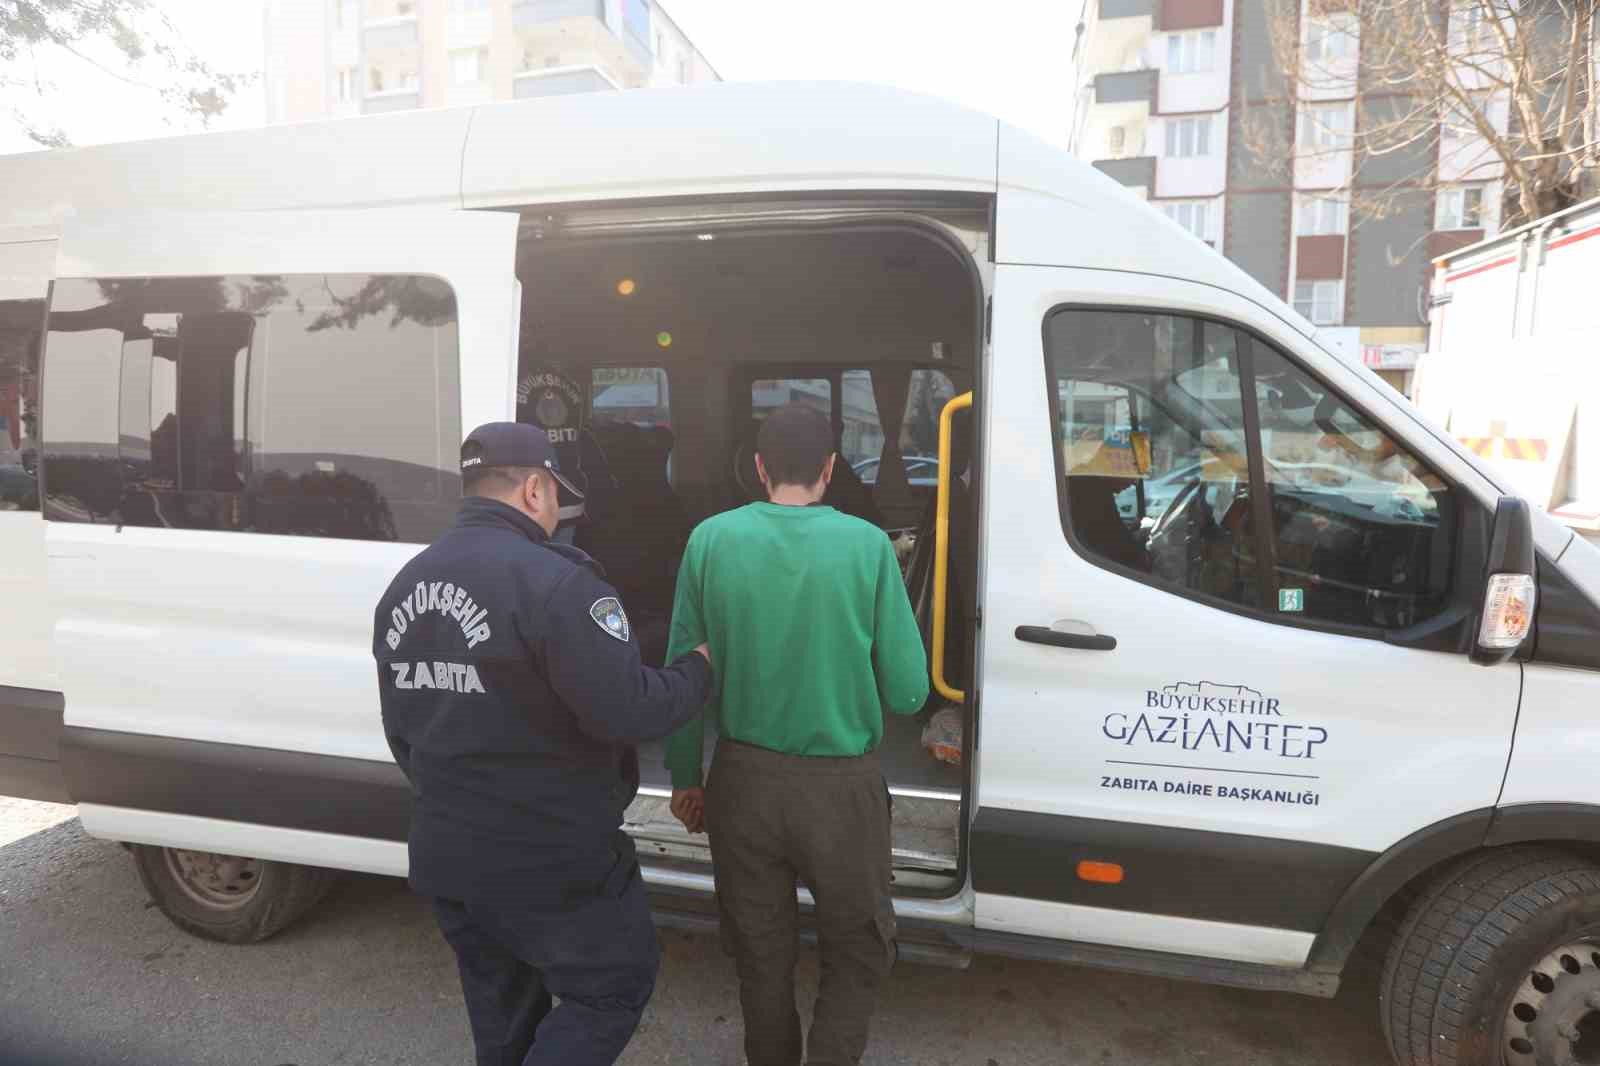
<point x="251" y="422"/>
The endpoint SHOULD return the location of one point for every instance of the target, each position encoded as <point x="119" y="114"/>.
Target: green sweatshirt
<point x="812" y="637"/>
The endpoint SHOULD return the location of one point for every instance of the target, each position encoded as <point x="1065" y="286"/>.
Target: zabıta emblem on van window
<point x="608" y="614"/>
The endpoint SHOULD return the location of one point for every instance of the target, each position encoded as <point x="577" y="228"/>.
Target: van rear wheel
<point x="1497" y="963"/>
<point x="231" y="898"/>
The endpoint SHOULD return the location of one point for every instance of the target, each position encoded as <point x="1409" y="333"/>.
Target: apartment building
<point x="1174" y="92"/>
<point x="327" y="58"/>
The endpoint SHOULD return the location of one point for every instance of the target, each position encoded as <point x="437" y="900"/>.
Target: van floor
<point x="927" y="807"/>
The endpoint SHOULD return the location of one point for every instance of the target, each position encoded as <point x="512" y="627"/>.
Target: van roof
<point x="720" y="139"/>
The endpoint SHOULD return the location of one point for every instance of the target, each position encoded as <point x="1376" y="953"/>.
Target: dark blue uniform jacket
<point x="512" y="697"/>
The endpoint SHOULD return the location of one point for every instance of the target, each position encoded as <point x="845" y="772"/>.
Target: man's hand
<point x="689" y="807"/>
<point x="705" y="649"/>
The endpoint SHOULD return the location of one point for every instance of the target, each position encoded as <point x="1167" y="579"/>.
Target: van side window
<point x="919" y="430"/>
<point x="636" y="395"/>
<point x="310" y="405"/>
<point x="1156" y="440"/>
<point x="20" y="323"/>
<point x="1150" y="437"/>
<point x="1363" y="529"/>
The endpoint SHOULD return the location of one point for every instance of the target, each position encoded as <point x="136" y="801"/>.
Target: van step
<point x="920" y="845"/>
<point x="944" y="955"/>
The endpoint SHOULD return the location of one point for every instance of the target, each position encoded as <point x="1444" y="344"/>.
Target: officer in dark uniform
<point x="512" y="697"/>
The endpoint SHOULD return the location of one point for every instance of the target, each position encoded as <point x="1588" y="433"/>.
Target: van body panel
<point x="247" y="638"/>
<point x="706" y="140"/>
<point x="402" y="159"/>
<point x="1144" y="932"/>
<point x="1425" y="737"/>
<point x="1056" y="211"/>
<point x="1557" y="734"/>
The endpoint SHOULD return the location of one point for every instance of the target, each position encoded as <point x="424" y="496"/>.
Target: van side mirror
<point x="1510" y="587"/>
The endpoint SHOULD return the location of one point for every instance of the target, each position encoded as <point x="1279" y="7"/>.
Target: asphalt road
<point x="91" y="973"/>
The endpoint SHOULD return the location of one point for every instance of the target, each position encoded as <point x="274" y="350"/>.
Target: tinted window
<point x="317" y="405"/>
<point x="862" y="439"/>
<point x="637" y="395"/>
<point x="767" y="394"/>
<point x="1363" y="529"/>
<point x="919" y="431"/>
<point x="1151" y="442"/>
<point x="1150" y="419"/>
<point x="20" y="322"/>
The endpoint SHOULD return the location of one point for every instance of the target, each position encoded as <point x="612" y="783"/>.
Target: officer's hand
<point x="705" y="649"/>
<point x="689" y="807"/>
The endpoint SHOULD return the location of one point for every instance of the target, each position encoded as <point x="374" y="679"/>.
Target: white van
<point x="1244" y="647"/>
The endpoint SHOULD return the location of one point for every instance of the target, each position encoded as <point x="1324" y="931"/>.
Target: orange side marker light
<point x="1103" y="873"/>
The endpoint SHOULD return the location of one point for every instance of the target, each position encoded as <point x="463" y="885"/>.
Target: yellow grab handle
<point x="941" y="547"/>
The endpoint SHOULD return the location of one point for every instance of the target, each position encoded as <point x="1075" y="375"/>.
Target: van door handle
<point x="1057" y="639"/>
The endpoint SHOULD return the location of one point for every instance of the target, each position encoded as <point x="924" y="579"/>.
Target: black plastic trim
<point x="1151" y="963"/>
<point x="30" y="723"/>
<point x="265" y="786"/>
<point x="1566" y="627"/>
<point x="1521" y="822"/>
<point x="1057" y="639"/>
<point x="30" y="745"/>
<point x="1186" y="873"/>
<point x="1386" y="875"/>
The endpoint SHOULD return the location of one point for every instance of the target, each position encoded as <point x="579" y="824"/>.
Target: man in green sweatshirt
<point x="814" y="639"/>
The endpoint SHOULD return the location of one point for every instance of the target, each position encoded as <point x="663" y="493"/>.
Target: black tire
<point x="259" y="899"/>
<point x="1467" y="952"/>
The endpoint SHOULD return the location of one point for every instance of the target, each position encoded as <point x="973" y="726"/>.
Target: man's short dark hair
<point x="495" y="481"/>
<point x="794" y="444"/>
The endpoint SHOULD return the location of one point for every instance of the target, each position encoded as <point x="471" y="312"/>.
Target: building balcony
<point x="391" y="100"/>
<point x="561" y="81"/>
<point x="1122" y="9"/>
<point x="1136" y="172"/>
<point x="1127" y="87"/>
<point x="533" y="12"/>
<point x="392" y="33"/>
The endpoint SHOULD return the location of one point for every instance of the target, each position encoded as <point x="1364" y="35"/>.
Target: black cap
<point x="515" y="444"/>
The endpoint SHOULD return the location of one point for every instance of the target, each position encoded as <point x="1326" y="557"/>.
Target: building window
<point x="1192" y="215"/>
<point x="1468" y="31"/>
<point x="684" y="70"/>
<point x="1459" y="208"/>
<point x="1320" y="301"/>
<point x="375" y="79"/>
<point x="1188" y="138"/>
<point x="1326" y="127"/>
<point x="285" y="404"/>
<point x="466" y="66"/>
<point x="1116" y="140"/>
<point x="1322" y="216"/>
<point x="1332" y="37"/>
<point x="1191" y="53"/>
<point x="636" y="21"/>
<point x="347" y="84"/>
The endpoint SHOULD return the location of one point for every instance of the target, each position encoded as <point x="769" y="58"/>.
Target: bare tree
<point x="129" y="40"/>
<point x="1426" y="93"/>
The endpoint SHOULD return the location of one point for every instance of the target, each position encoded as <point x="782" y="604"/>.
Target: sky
<point x="1011" y="58"/>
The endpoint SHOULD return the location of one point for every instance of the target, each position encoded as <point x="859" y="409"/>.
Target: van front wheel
<point x="1498" y="964"/>
<point x="230" y="898"/>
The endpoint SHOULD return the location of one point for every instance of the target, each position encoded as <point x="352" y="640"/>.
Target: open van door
<point x="251" y="421"/>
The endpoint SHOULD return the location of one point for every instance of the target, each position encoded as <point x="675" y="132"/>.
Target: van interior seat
<point x="636" y="527"/>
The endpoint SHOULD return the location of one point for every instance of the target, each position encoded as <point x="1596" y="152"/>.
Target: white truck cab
<point x="1254" y="662"/>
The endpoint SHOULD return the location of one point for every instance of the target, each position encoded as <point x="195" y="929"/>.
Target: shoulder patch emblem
<point x="608" y="614"/>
